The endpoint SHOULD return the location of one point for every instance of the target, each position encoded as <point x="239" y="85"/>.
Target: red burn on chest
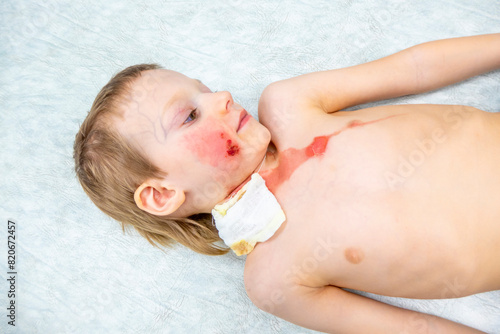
<point x="291" y="158"/>
<point x="318" y="146"/>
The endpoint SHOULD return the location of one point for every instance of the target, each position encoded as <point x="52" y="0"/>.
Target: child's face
<point x="205" y="142"/>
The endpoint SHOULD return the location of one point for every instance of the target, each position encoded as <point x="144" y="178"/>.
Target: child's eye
<point x="192" y="116"/>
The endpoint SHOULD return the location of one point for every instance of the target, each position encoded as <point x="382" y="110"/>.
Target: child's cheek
<point x="212" y="147"/>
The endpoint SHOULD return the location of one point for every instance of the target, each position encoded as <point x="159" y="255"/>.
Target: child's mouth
<point x="244" y="118"/>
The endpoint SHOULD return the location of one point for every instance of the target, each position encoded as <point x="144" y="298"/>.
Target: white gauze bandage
<point x="252" y="215"/>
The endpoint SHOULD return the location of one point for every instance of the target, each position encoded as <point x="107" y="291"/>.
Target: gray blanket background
<point x="76" y="271"/>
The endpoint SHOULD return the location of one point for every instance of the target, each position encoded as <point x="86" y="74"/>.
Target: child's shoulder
<point x="265" y="276"/>
<point x="285" y="111"/>
<point x="286" y="97"/>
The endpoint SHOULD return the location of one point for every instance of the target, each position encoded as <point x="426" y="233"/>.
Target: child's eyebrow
<point x="174" y="98"/>
<point x="203" y="85"/>
<point x="169" y="105"/>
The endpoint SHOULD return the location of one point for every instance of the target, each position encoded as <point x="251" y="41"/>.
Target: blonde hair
<point x="110" y="169"/>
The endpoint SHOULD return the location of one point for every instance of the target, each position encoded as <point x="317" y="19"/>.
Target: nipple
<point x="354" y="255"/>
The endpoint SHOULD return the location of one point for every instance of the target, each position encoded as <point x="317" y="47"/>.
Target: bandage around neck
<point x="252" y="215"/>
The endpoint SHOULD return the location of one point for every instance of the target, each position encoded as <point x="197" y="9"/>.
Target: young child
<point x="394" y="200"/>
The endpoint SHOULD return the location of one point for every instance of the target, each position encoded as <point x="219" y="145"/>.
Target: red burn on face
<point x="232" y="150"/>
<point x="212" y="147"/>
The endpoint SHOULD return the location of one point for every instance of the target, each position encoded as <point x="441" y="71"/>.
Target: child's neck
<point x="261" y="167"/>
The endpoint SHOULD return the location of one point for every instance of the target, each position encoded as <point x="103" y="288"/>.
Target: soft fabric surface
<point x="77" y="272"/>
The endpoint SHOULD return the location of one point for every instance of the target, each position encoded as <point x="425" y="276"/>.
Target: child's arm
<point x="414" y="70"/>
<point x="333" y="310"/>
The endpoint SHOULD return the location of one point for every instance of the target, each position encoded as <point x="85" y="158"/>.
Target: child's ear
<point x="155" y="198"/>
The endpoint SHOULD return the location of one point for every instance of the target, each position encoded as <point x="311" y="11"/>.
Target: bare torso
<point x="400" y="201"/>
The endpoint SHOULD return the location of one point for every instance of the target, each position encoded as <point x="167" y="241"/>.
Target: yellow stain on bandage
<point x="252" y="215"/>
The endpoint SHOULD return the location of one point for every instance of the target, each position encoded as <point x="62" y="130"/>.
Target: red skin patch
<point x="212" y="147"/>
<point x="291" y="158"/>
<point x="318" y="146"/>
<point x="232" y="149"/>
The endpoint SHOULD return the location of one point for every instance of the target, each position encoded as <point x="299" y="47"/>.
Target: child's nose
<point x="224" y="102"/>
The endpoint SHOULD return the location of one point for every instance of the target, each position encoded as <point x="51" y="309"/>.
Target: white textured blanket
<point x="76" y="271"/>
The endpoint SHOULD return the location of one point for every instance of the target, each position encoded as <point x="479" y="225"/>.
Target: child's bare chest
<point x="379" y="201"/>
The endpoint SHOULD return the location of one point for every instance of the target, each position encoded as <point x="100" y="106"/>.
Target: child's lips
<point x="244" y="118"/>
